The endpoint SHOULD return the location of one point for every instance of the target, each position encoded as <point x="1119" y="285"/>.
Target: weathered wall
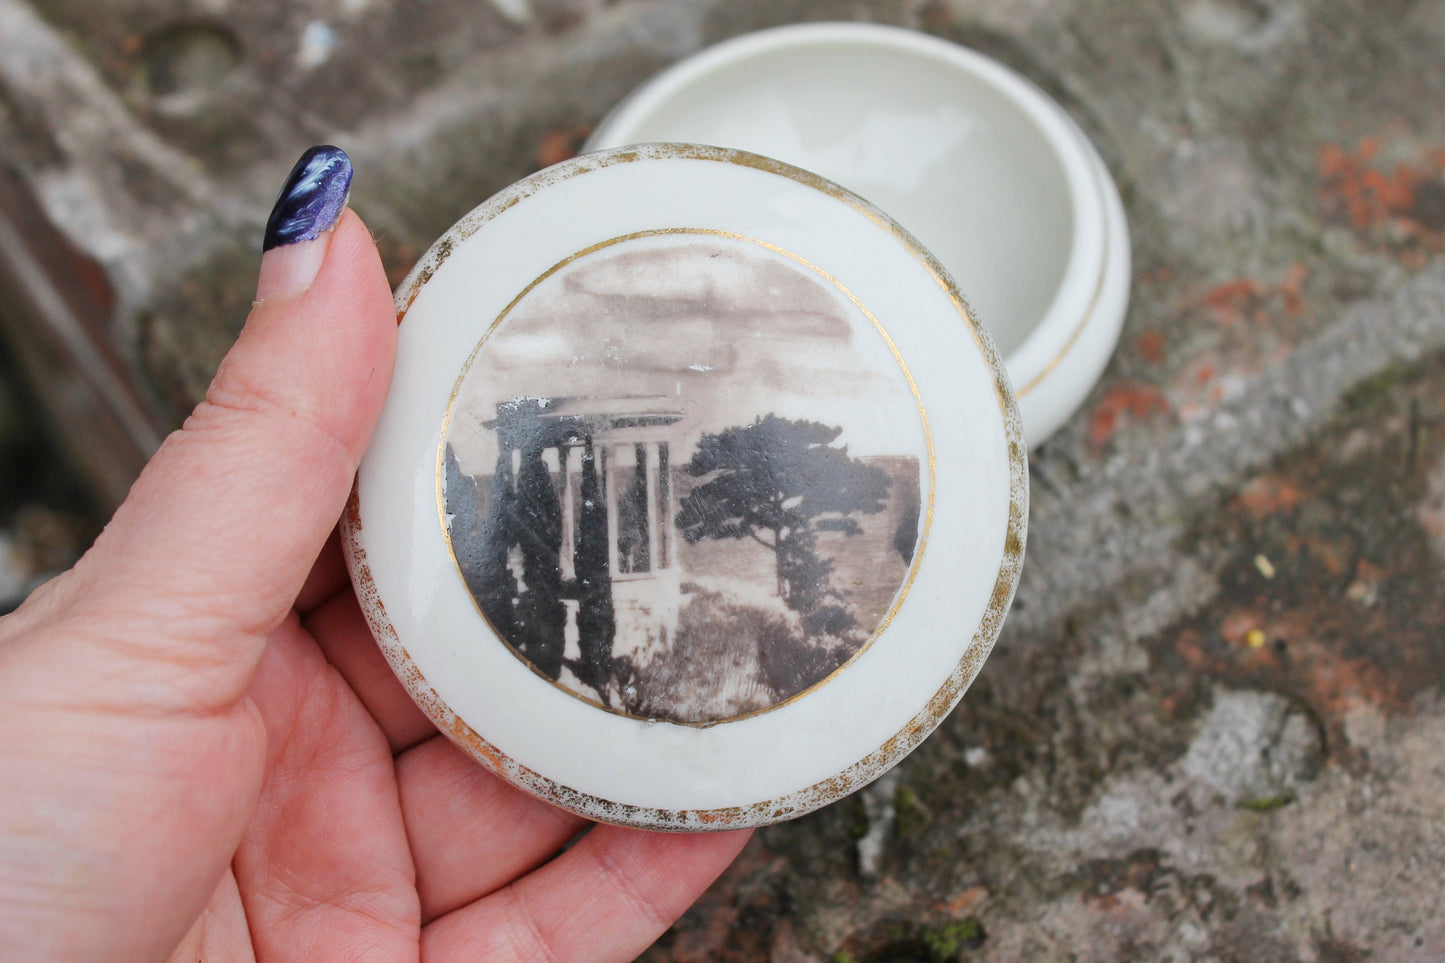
<point x="1211" y="730"/>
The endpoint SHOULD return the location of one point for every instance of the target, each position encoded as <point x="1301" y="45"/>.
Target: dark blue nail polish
<point x="313" y="198"/>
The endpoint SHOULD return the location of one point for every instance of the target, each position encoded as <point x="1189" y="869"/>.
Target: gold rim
<point x="865" y="769"/>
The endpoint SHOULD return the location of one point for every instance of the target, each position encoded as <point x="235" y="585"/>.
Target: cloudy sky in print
<point x="722" y="330"/>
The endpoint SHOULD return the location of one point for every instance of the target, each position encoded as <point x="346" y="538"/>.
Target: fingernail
<point x="313" y="198"/>
<point x="310" y="204"/>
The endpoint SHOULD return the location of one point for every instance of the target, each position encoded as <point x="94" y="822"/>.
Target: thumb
<point x="209" y="550"/>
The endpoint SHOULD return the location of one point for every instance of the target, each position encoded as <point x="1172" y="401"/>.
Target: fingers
<point x="340" y="629"/>
<point x="216" y="538"/>
<point x="124" y="682"/>
<point x="220" y="932"/>
<point x="323" y="869"/>
<point x="607" y="898"/>
<point x="470" y="832"/>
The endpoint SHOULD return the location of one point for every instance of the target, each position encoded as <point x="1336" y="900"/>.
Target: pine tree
<point x="537" y="532"/>
<point x="778" y="482"/>
<point x="596" y="621"/>
<point x="485" y="562"/>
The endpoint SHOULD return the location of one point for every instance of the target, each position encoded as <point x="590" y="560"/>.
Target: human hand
<point x="204" y="755"/>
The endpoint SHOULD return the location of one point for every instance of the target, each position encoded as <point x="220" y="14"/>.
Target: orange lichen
<point x="1365" y="195"/>
<point x="1230" y="301"/>
<point x="1290" y="289"/>
<point x="1270" y="495"/>
<point x="965" y="901"/>
<point x="1122" y="402"/>
<point x="1151" y="347"/>
<point x="1338" y="684"/>
<point x="1359" y="189"/>
<point x="1249" y="299"/>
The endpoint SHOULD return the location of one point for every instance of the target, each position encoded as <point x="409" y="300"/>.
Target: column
<point x="604" y="455"/>
<point x="654" y="560"/>
<point x="571" y="459"/>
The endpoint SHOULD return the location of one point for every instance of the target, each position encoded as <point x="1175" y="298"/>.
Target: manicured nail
<point x="313" y="198"/>
<point x="296" y="233"/>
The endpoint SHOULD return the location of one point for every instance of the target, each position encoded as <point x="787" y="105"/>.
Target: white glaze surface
<point x="989" y="173"/>
<point x="882" y="699"/>
<point x="1057" y="385"/>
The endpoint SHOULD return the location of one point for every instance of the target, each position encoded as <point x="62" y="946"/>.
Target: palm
<point x="375" y="838"/>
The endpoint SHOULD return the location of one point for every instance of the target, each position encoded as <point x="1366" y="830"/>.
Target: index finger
<point x="605" y="899"/>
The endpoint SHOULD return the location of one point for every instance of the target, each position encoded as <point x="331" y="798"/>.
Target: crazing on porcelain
<point x="681" y="477"/>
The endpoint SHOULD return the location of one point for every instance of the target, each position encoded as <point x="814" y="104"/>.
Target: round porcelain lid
<point x="699" y="497"/>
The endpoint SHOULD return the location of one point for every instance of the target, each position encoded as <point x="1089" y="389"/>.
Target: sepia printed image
<point x="682" y="477"/>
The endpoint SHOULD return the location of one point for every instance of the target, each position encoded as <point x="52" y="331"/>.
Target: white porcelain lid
<point x="699" y="497"/>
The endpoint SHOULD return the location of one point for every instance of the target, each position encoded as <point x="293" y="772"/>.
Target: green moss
<point x="842" y="956"/>
<point x="911" y="814"/>
<point x="1264" y="804"/>
<point x="1363" y="394"/>
<point x="857" y="819"/>
<point x="946" y="942"/>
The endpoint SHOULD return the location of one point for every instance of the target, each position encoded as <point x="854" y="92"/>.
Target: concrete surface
<point x="1212" y="728"/>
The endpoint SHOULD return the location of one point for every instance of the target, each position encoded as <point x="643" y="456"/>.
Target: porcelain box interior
<point x="986" y="170"/>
